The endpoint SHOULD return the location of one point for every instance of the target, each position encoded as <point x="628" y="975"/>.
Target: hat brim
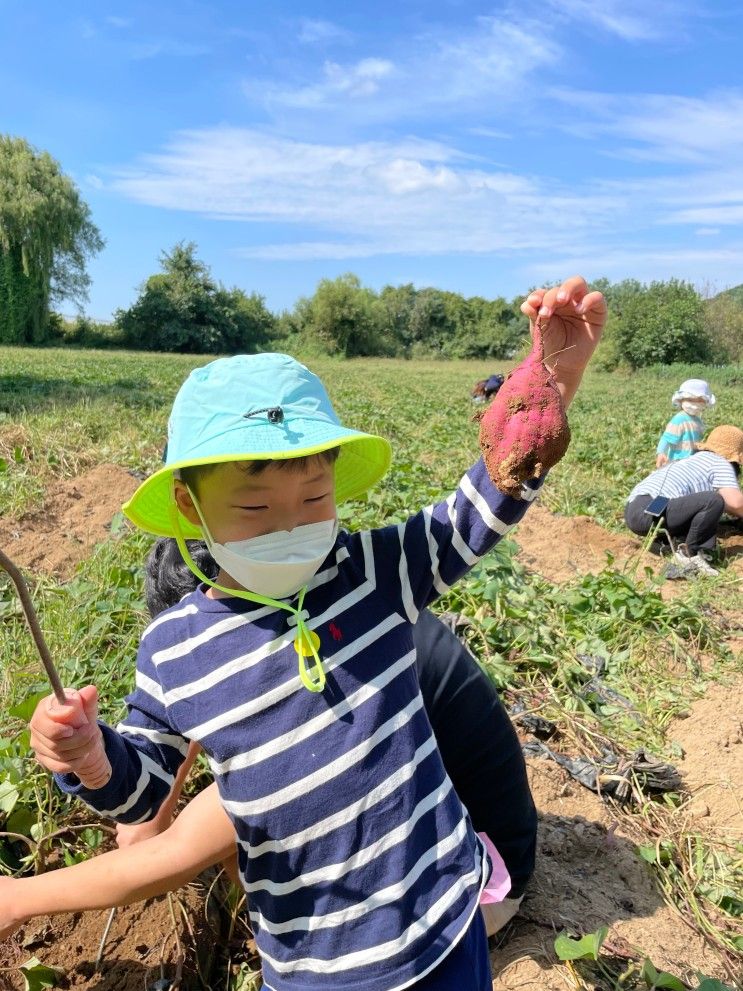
<point x="678" y="397"/>
<point x="362" y="461"/>
<point x="734" y="457"/>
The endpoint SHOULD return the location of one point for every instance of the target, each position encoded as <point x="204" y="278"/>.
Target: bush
<point x="183" y="309"/>
<point x="656" y="325"/>
<point x="723" y="320"/>
<point x="84" y="332"/>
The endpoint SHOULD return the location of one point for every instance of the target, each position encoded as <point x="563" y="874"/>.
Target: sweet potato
<point x="525" y="430"/>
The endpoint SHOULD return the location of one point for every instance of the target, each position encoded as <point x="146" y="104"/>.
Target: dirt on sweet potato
<point x="525" y="430"/>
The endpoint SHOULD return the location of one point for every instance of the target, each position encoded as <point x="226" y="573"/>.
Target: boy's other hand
<point x="67" y="738"/>
<point x="127" y="835"/>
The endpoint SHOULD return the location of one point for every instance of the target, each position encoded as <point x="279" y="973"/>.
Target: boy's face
<point x="237" y="505"/>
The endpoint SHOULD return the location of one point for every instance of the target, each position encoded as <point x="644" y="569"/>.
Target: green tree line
<point x="183" y="309"/>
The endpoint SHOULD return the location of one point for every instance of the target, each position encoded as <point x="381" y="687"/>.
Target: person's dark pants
<point x="693" y="518"/>
<point x="479" y="746"/>
<point x="465" y="968"/>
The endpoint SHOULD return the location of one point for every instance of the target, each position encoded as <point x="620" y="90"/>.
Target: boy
<point x="295" y="672"/>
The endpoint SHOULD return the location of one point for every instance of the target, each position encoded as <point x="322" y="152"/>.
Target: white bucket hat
<point x="693" y="389"/>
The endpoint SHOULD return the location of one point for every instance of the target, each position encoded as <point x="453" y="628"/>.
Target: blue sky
<point x="482" y="148"/>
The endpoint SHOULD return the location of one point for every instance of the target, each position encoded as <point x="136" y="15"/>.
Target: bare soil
<point x="75" y="516"/>
<point x="588" y="874"/>
<point x="142" y="946"/>
<point x="711" y="737"/>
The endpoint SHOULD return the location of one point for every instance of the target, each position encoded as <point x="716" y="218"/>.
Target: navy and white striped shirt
<point x="704" y="471"/>
<point x="361" y="865"/>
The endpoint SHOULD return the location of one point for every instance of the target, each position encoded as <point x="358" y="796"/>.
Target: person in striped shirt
<point x="698" y="491"/>
<point x="295" y="672"/>
<point x="477" y="741"/>
<point x="685" y="429"/>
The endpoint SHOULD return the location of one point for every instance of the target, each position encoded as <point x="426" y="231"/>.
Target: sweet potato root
<point x="525" y="430"/>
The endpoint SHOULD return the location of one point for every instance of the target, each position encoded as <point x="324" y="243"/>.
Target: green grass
<point x="62" y="412"/>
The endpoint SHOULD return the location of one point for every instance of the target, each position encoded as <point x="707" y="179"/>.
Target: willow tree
<point x="46" y="237"/>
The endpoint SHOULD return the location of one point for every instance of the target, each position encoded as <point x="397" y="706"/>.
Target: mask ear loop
<point x="306" y="642"/>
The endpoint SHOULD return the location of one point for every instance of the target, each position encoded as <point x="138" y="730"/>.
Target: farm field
<point x="569" y="593"/>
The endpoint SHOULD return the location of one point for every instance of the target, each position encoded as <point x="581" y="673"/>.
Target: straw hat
<point x="727" y="441"/>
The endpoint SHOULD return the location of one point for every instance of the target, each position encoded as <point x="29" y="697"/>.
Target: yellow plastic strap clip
<point x="306" y="645"/>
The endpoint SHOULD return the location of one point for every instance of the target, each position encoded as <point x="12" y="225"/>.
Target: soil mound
<point x="76" y="515"/>
<point x="711" y="737"/>
<point x="565" y="547"/>
<point x="589" y="875"/>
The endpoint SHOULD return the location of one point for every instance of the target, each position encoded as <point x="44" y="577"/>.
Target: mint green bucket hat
<point x="253" y="407"/>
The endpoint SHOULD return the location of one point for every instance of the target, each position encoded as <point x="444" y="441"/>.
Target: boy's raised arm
<point x="440" y="544"/>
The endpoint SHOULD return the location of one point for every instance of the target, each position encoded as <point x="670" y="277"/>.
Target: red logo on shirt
<point x="335" y="632"/>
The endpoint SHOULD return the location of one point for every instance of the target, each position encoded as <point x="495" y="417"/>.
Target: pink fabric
<point x="499" y="884"/>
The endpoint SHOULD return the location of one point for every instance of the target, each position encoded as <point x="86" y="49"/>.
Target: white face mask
<point x="692" y="407"/>
<point x="277" y="564"/>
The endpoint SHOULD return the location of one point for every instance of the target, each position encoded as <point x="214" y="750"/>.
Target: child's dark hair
<point x="168" y="578"/>
<point x="192" y="476"/>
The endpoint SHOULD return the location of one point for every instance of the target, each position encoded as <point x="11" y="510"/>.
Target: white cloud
<point x="119" y="22"/>
<point x="630" y="20"/>
<point x="312" y="32"/>
<point x="485" y="66"/>
<point x="638" y="261"/>
<point x="372" y="198"/>
<point x="490" y="132"/>
<point x="661" y="127"/>
<point x="361" y="79"/>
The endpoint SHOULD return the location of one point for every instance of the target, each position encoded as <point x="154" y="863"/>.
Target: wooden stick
<point x="33" y="623"/>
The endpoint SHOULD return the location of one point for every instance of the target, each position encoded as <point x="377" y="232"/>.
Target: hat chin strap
<point x="306" y="641"/>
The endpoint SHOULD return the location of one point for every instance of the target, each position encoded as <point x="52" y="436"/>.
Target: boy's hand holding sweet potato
<point x="68" y="740"/>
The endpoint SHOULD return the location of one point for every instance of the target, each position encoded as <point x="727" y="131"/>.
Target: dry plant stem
<point x="33" y="623"/>
<point x="179" y="947"/>
<point x="104" y="938"/>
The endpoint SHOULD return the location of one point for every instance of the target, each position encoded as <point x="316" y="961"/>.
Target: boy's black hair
<point x="168" y="578"/>
<point x="191" y="476"/>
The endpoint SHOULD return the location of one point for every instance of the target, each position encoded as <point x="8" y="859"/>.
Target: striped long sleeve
<point x="680" y="438"/>
<point x="361" y="865"/>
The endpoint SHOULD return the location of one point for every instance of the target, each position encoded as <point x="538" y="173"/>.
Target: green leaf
<point x="25" y="709"/>
<point x="656" y="979"/>
<point x="712" y="984"/>
<point x="587" y="947"/>
<point x="9" y="795"/>
<point x="21" y="820"/>
<point x="38" y="976"/>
